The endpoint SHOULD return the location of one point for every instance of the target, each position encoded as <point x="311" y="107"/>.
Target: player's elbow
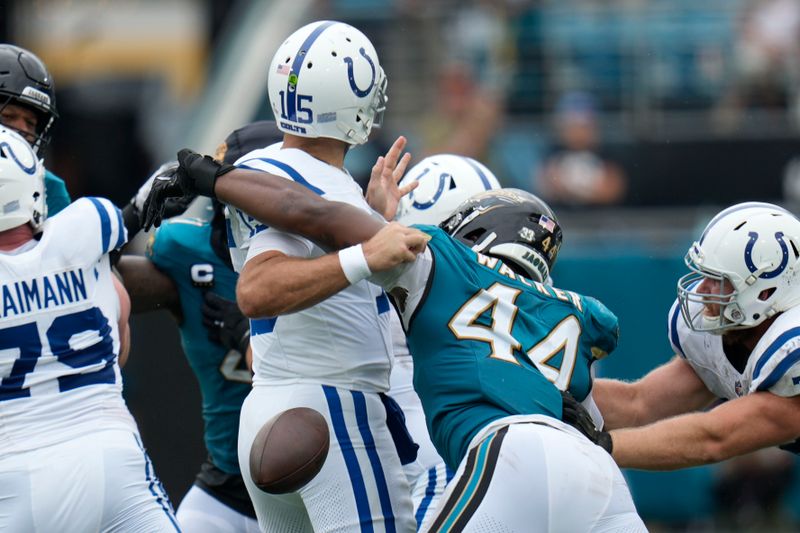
<point x="255" y="301"/>
<point x="716" y="442"/>
<point x="258" y="293"/>
<point x="714" y="450"/>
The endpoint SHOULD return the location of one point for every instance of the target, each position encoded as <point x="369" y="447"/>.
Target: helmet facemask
<point x="730" y="315"/>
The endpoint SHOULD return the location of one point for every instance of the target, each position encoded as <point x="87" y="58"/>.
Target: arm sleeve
<point x="55" y="193"/>
<point x="407" y="283"/>
<point x="113" y="234"/>
<point x="605" y="326"/>
<point x="777" y="369"/>
<point x="287" y="243"/>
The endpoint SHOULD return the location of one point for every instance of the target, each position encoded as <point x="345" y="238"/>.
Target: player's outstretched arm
<point x="736" y="427"/>
<point x="275" y="201"/>
<point x="671" y="389"/>
<point x="149" y="288"/>
<point x="273" y="283"/>
<point x="287" y="206"/>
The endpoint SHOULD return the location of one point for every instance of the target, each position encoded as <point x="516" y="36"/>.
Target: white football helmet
<point x="21" y="183"/>
<point x="753" y="246"/>
<point x="325" y="80"/>
<point x="445" y="182"/>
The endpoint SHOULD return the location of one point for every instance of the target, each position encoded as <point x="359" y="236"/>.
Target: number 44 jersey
<point x="59" y="337"/>
<point x="488" y="343"/>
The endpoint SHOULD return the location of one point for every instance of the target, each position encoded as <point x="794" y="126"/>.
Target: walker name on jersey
<point x="548" y="290"/>
<point x="43" y="292"/>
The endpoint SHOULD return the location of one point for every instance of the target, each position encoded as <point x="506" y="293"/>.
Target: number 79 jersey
<point x="488" y="343"/>
<point x="59" y="336"/>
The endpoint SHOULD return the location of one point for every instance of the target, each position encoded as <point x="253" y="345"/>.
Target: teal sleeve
<point x="604" y="324"/>
<point x="55" y="193"/>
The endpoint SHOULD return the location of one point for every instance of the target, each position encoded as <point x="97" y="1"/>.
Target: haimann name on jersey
<point x="44" y="292"/>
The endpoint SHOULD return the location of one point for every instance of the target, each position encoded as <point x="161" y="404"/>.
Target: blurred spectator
<point x="465" y="116"/>
<point x="750" y="490"/>
<point x="577" y="171"/>
<point x="766" y="58"/>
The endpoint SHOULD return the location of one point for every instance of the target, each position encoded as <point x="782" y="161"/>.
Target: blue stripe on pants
<point x="372" y="452"/>
<point x="430" y="491"/>
<point x="350" y="459"/>
<point x="160" y="498"/>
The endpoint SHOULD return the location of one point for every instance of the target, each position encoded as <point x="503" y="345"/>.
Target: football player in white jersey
<point x="327" y="90"/>
<point x="445" y="181"/>
<point x="71" y="458"/>
<point x="735" y="328"/>
<point x="581" y="488"/>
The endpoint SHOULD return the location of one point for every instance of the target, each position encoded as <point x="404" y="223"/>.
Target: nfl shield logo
<point x="738" y="388"/>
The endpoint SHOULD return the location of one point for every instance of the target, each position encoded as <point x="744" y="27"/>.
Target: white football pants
<point x="361" y="485"/>
<point x="200" y="512"/>
<point x="535" y="474"/>
<point x="103" y="481"/>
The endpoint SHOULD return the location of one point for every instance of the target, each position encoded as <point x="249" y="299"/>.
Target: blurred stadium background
<point x="637" y="119"/>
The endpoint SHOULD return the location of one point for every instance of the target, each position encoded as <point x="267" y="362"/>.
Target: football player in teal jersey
<point x="492" y="345"/>
<point x="28" y="105"/>
<point x="187" y="270"/>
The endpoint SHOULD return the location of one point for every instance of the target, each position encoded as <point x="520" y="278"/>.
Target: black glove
<point x="195" y="175"/>
<point x="577" y="416"/>
<point x="226" y="325"/>
<point x="132" y="213"/>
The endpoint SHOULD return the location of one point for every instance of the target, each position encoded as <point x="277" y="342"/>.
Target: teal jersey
<point x="181" y="248"/>
<point x="488" y="343"/>
<point x="55" y="193"/>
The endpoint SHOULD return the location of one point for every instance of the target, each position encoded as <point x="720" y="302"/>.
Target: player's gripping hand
<point x="392" y="245"/>
<point x="132" y="212"/>
<point x="577" y="416"/>
<point x="196" y="174"/>
<point x="225" y="323"/>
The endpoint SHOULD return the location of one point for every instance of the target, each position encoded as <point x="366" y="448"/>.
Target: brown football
<point x="289" y="450"/>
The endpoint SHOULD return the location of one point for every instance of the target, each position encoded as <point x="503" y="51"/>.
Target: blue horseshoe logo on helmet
<point x="748" y="253"/>
<point x="439" y="190"/>
<point x="349" y="60"/>
<point x="10" y="151"/>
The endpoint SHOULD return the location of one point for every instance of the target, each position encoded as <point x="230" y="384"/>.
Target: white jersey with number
<point x="59" y="338"/>
<point x="343" y="341"/>
<point x="773" y="365"/>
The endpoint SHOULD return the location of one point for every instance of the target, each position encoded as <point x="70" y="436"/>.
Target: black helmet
<point x="25" y="80"/>
<point x="513" y="225"/>
<point x="249" y="137"/>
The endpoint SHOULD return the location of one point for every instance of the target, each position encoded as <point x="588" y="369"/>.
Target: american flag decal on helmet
<point x="547" y="223"/>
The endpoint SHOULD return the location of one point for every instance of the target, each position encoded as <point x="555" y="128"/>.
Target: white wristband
<point x="354" y="264"/>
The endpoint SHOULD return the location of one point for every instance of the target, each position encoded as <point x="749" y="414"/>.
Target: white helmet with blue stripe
<point x="445" y="181"/>
<point x="21" y="183"/>
<point x="325" y="80"/>
<point x="752" y="251"/>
